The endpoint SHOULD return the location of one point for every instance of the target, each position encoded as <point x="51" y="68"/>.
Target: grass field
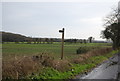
<point x="11" y="49"/>
<point x="47" y="64"/>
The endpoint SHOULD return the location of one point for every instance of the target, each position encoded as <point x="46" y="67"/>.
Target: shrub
<point x="82" y="50"/>
<point x="95" y="52"/>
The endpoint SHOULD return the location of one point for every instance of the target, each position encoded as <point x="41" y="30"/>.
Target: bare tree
<point x="113" y="17"/>
<point x="112" y="27"/>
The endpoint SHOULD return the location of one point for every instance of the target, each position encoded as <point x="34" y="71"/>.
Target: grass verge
<point x="45" y="66"/>
<point x="87" y="65"/>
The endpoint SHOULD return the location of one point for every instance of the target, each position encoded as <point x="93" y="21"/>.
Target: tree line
<point x="89" y="40"/>
<point x="17" y="38"/>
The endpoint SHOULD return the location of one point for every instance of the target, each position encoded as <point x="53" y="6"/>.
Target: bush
<point x="82" y="50"/>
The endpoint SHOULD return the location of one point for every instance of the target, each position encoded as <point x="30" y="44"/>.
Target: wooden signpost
<point x="62" y="49"/>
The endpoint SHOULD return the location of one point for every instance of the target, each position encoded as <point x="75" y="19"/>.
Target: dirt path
<point x="107" y="70"/>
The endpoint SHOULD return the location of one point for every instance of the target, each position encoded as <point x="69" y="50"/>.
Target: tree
<point x="37" y="40"/>
<point x="112" y="28"/>
<point x="40" y="40"/>
<point x="85" y="41"/>
<point x="74" y="40"/>
<point x="47" y="40"/>
<point x="90" y="39"/>
<point x="34" y="39"/>
<point x="51" y="40"/>
<point x="81" y="41"/>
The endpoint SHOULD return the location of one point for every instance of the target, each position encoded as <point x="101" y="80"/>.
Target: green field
<point x="47" y="68"/>
<point x="12" y="49"/>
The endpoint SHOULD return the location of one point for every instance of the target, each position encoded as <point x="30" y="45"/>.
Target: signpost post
<point x="62" y="49"/>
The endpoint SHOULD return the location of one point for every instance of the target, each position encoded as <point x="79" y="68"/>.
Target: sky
<point x="80" y="18"/>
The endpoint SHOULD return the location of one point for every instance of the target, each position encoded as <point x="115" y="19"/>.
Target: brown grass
<point x="19" y="68"/>
<point x="61" y="65"/>
<point x="83" y="57"/>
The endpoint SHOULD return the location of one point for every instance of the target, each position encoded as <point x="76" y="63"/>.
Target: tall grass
<point x="45" y="66"/>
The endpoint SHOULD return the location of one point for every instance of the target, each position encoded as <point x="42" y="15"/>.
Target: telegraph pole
<point x="62" y="42"/>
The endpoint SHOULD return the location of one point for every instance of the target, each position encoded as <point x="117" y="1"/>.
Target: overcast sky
<point x="80" y="19"/>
